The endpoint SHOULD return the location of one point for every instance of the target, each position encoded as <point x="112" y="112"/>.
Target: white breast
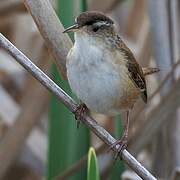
<point x="92" y="77"/>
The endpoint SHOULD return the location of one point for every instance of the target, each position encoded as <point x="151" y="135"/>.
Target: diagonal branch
<point x="157" y="118"/>
<point x="51" y="29"/>
<point x="72" y="105"/>
<point x="159" y="88"/>
<point x="25" y="119"/>
<point x="77" y="165"/>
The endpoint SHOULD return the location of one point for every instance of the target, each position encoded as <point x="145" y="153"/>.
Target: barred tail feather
<point x="148" y="71"/>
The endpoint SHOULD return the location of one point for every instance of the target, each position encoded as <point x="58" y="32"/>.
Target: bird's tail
<point x="149" y="70"/>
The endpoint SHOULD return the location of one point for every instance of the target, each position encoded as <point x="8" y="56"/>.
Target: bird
<point x="102" y="71"/>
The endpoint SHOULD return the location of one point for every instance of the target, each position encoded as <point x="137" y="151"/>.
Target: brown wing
<point x="134" y="69"/>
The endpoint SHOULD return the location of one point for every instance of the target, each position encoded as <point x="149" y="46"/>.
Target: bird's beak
<point x="71" y="28"/>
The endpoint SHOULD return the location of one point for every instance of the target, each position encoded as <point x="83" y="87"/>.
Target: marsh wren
<point x="101" y="69"/>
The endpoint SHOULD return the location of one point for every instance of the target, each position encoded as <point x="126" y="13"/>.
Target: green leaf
<point x="67" y="144"/>
<point x="118" y="167"/>
<point x="93" y="171"/>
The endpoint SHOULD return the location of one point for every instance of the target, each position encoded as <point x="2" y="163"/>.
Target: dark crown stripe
<point x="91" y="17"/>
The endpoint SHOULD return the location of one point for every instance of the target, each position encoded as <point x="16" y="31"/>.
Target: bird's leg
<point x="124" y="139"/>
<point x="80" y="111"/>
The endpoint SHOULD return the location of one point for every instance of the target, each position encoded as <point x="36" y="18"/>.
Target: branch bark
<point x="51" y="29"/>
<point x="162" y="83"/>
<point x="72" y="105"/>
<point x="29" y="116"/>
<point x="157" y="118"/>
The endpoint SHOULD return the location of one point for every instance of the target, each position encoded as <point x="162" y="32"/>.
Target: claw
<point x="80" y="112"/>
<point x="122" y="145"/>
<point x="123" y="141"/>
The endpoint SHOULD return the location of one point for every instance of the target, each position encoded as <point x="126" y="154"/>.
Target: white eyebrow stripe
<point x="102" y="23"/>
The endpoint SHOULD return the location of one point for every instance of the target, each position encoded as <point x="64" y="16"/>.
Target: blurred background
<point x="38" y="135"/>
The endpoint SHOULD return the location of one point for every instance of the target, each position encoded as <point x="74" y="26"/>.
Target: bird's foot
<point x="122" y="144"/>
<point x="80" y="112"/>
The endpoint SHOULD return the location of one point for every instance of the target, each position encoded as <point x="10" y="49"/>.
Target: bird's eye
<point x="95" y="28"/>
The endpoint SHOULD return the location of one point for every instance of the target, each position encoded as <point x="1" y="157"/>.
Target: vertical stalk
<point x="67" y="144"/>
<point x="160" y="28"/>
<point x="118" y="168"/>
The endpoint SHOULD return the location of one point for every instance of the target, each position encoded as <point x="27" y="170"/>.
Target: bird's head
<point x="93" y="24"/>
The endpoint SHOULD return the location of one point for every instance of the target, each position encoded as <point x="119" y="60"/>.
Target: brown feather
<point x="134" y="69"/>
<point x="149" y="70"/>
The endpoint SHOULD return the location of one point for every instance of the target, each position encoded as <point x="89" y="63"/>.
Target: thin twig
<point x="77" y="165"/>
<point x="51" y="29"/>
<point x="158" y="117"/>
<point x="72" y="105"/>
<point x="27" y="118"/>
<point x="163" y="82"/>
